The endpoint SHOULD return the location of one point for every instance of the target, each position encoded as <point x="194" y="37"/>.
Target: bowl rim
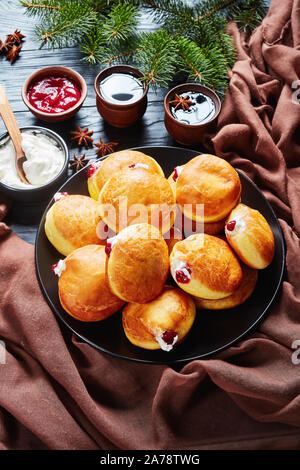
<point x="59" y="68"/>
<point x="200" y="88"/>
<point x="48" y="185"/>
<point x="128" y="68"/>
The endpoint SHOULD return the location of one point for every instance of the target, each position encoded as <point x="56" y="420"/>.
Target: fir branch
<point x="121" y="23"/>
<point x="73" y="23"/>
<point x="208" y="9"/>
<point x="42" y="7"/>
<point x="249" y="14"/>
<point x="157" y="57"/>
<point x="194" y="61"/>
<point x="96" y="51"/>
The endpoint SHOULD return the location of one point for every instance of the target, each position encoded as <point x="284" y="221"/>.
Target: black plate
<point x="212" y="331"/>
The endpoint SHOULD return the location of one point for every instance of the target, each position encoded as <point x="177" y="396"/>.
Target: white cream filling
<point x="165" y="346"/>
<point x="240" y="225"/>
<point x="140" y="165"/>
<point x="179" y="265"/>
<point x="112" y="241"/>
<point x="97" y="166"/>
<point x="59" y="268"/>
<point x="44" y="160"/>
<point x="58" y="196"/>
<point x="178" y="170"/>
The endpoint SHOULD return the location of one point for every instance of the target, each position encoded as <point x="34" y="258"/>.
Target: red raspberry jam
<point x="132" y="166"/>
<point x="53" y="268"/>
<point x="175" y="175"/>
<point x="183" y="275"/>
<point x="231" y="225"/>
<point x="108" y="248"/>
<point x="53" y="94"/>
<point x="92" y="169"/>
<point x="168" y="336"/>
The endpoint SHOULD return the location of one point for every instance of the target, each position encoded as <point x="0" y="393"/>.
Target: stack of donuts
<point x="156" y="248"/>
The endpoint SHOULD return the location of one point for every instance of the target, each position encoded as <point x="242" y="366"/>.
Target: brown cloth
<point x="57" y="392"/>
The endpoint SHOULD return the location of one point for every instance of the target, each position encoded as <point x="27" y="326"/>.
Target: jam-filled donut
<point x="104" y="170"/>
<point x="205" y="266"/>
<point x="162" y="323"/>
<point x="138" y="263"/>
<point x="238" y="297"/>
<point x="210" y="181"/>
<point x="83" y="289"/>
<point x="250" y="236"/>
<point x="71" y="222"/>
<point x="135" y="195"/>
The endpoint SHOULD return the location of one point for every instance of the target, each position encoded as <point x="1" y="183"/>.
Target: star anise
<point x="78" y="162"/>
<point x="182" y="102"/>
<point x="15" y="37"/>
<point x="82" y="136"/>
<point x="104" y="149"/>
<point x="5" y="46"/>
<point x="13" y="53"/>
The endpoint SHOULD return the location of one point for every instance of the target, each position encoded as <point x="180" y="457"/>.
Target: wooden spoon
<point x="14" y="132"/>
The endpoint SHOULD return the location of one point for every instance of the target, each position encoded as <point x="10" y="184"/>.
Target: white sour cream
<point x="44" y="160"/>
<point x="165" y="346"/>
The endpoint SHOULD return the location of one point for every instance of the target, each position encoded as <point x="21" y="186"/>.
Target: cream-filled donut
<point x="116" y="162"/>
<point x="137" y="263"/>
<point x="72" y="222"/>
<point x="137" y="196"/>
<point x="205" y="266"/>
<point x="84" y="292"/>
<point x="161" y="323"/>
<point x="251" y="237"/>
<point x="207" y="181"/>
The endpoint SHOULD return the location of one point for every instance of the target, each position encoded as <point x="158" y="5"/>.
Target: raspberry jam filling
<point x="177" y="172"/>
<point x="167" y="340"/>
<point x="93" y="168"/>
<point x="231" y="225"/>
<point x="58" y="196"/>
<point x="183" y="275"/>
<point x="110" y="243"/>
<point x="168" y="336"/>
<point x="108" y="248"/>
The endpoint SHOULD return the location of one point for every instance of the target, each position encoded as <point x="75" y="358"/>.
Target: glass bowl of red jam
<point x="54" y="94"/>
<point x="191" y="113"/>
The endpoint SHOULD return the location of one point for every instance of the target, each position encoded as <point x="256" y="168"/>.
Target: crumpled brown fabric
<point x="57" y="392"/>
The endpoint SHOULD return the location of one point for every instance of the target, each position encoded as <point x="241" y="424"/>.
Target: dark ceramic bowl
<point x="44" y="192"/>
<point x="123" y="115"/>
<point x="61" y="72"/>
<point x="187" y="134"/>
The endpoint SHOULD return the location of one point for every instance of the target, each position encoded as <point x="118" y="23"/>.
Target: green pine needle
<point x="192" y="38"/>
<point x="121" y="23"/>
<point x="157" y="57"/>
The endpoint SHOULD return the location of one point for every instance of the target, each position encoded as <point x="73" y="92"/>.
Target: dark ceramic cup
<point x="61" y="72"/>
<point x="40" y="193"/>
<point x="120" y="115"/>
<point x="187" y="134"/>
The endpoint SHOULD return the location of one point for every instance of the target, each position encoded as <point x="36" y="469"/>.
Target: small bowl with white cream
<point x="45" y="167"/>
